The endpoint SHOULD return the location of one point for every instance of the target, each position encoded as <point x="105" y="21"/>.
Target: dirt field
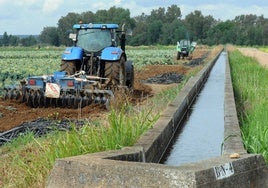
<point x="13" y="113"/>
<point x="262" y="57"/>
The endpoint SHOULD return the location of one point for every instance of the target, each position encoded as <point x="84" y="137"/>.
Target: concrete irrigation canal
<point x="220" y="162"/>
<point x="204" y="125"/>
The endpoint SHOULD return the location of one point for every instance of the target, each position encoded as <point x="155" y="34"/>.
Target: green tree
<point x="88" y="17"/>
<point x="50" y="36"/>
<point x="28" y="41"/>
<point x="198" y="25"/>
<point x="166" y="26"/>
<point x="139" y="31"/>
<point x="14" y="40"/>
<point x="154" y="31"/>
<point x="221" y="33"/>
<point x="157" y="15"/>
<point x="5" y="39"/>
<point x="101" y="16"/>
<point x="249" y="26"/>
<point x="172" y="32"/>
<point x="139" y="36"/>
<point x="65" y="26"/>
<point x="173" y="13"/>
<point x="115" y="15"/>
<point x="265" y="33"/>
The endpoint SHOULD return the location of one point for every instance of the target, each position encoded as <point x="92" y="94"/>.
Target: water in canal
<point x="202" y="133"/>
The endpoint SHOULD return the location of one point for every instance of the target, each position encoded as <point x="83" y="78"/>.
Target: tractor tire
<point x="115" y="72"/>
<point x="178" y="56"/>
<point x="69" y="67"/>
<point x="129" y="74"/>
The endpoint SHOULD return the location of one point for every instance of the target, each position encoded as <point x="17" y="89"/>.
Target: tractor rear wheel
<point x="129" y="74"/>
<point x="115" y="72"/>
<point x="69" y="67"/>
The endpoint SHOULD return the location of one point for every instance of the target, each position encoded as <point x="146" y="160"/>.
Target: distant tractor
<point x="91" y="71"/>
<point x="185" y="48"/>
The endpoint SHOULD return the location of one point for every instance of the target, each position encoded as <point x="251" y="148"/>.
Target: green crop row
<point x="142" y="57"/>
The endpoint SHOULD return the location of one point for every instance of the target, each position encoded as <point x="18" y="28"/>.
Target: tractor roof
<point x="95" y="26"/>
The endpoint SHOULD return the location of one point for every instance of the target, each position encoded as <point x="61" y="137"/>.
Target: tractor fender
<point x="72" y="53"/>
<point x="111" y="53"/>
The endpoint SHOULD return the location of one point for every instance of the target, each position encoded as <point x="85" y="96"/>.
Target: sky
<point x="29" y="17"/>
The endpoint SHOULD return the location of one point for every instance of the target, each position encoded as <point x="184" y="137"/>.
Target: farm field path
<point x="262" y="57"/>
<point x="13" y="113"/>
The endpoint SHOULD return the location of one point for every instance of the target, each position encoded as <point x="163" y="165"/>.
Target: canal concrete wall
<point x="138" y="166"/>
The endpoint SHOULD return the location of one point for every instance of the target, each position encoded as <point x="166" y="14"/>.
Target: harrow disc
<point x="34" y="99"/>
<point x="77" y="102"/>
<point x="5" y="95"/>
<point x="18" y="95"/>
<point x="51" y="102"/>
<point x="70" y="101"/>
<point x="64" y="101"/>
<point x="86" y="101"/>
<point x="10" y="94"/>
<point x="40" y="100"/>
<point x="58" y="102"/>
<point x="23" y="97"/>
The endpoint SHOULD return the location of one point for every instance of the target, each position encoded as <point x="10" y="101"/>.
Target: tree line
<point x="11" y="40"/>
<point x="163" y="26"/>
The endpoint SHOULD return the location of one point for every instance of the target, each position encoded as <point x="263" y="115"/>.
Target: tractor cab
<point x="94" y="37"/>
<point x="94" y="44"/>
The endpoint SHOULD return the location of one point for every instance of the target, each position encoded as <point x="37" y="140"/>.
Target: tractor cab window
<point x="184" y="42"/>
<point x="94" y="40"/>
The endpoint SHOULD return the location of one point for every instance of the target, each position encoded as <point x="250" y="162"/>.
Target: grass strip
<point x="251" y="95"/>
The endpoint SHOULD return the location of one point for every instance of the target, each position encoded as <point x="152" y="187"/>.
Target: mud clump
<point x="197" y="61"/>
<point x="167" y="78"/>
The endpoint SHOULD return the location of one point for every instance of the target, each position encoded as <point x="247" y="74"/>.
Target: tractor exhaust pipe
<point x="123" y="38"/>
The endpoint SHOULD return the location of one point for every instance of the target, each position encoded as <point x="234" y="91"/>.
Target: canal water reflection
<point x="202" y="133"/>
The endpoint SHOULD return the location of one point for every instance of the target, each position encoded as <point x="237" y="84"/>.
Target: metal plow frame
<point x="82" y="93"/>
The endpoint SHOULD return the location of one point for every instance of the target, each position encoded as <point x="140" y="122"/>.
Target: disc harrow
<point x="36" y="99"/>
<point x="78" y="94"/>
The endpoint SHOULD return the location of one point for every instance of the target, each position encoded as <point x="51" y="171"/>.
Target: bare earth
<point x="262" y="57"/>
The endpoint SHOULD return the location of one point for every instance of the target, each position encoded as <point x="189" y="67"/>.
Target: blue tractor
<point x="90" y="72"/>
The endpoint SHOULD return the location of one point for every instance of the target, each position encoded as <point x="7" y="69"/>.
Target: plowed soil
<point x="13" y="113"/>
